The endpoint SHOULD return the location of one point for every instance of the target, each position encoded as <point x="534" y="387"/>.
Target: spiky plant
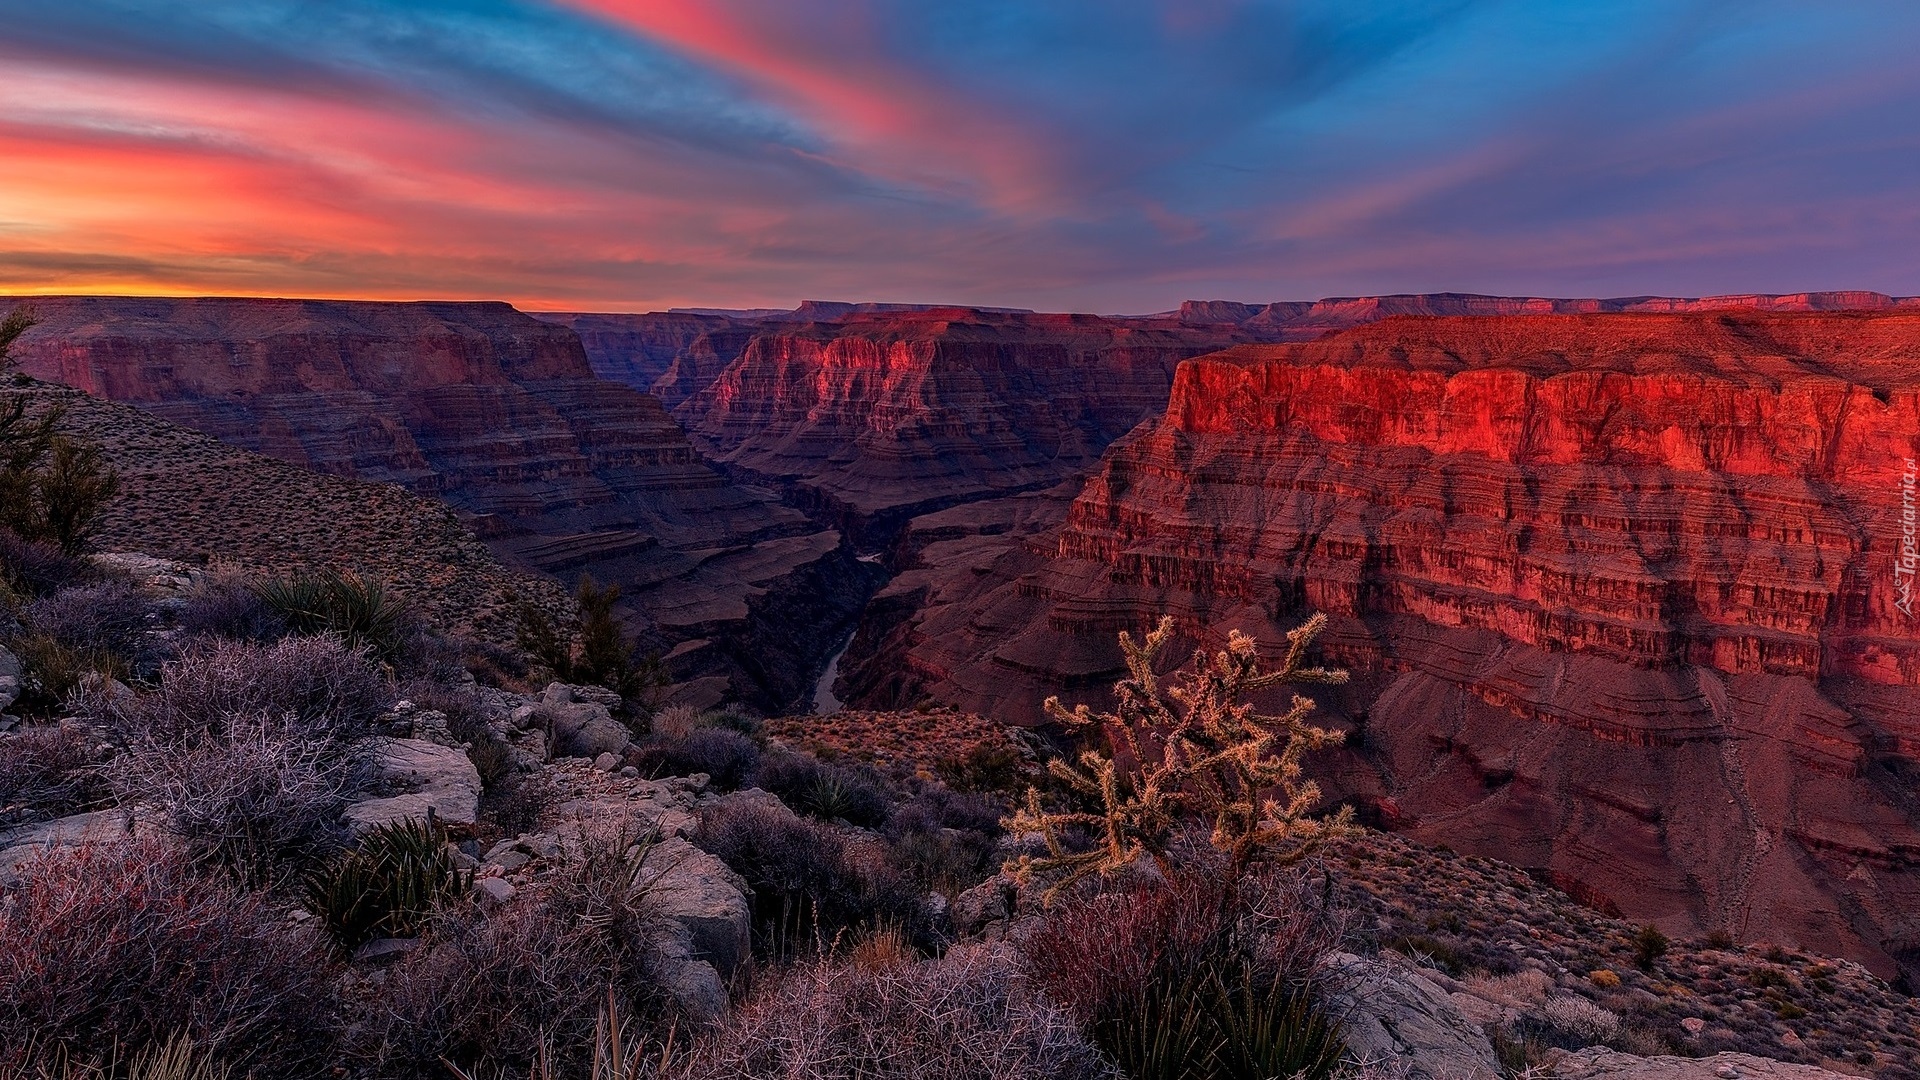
<point x="388" y="886"/>
<point x="1194" y="749"/>
<point x="357" y="609"/>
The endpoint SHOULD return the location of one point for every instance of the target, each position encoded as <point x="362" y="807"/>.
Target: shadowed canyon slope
<point x="1619" y="591"/>
<point x="495" y="412"/>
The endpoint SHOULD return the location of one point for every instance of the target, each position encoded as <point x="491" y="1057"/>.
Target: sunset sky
<point x="1110" y="156"/>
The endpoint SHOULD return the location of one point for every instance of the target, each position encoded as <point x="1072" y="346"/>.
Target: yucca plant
<point x="356" y="608"/>
<point x="388" y="886"/>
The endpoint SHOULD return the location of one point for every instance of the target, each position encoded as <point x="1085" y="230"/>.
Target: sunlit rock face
<point x="875" y="417"/>
<point x="1620" y="592"/>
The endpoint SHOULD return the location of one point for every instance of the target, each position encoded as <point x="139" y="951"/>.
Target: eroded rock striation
<point x="492" y="411"/>
<point x="1620" y="592"/>
<point x="877" y="416"/>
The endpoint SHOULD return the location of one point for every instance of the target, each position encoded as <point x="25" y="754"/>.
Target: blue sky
<point x="1116" y="156"/>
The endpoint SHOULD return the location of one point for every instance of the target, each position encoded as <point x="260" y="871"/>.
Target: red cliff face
<point x="495" y="412"/>
<point x="881" y="415"/>
<point x="1620" y="591"/>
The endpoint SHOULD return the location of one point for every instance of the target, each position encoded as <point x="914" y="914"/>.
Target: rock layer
<point x="1619" y="591"/>
<point x="878" y="416"/>
<point x="494" y="412"/>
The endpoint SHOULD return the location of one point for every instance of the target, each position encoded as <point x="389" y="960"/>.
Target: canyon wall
<point x="878" y="416"/>
<point x="1296" y="320"/>
<point x="1620" y="592"/>
<point x="494" y="412"/>
<point x="670" y="354"/>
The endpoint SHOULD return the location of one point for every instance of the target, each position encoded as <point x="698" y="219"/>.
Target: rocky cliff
<point x="878" y="416"/>
<point x="672" y="355"/>
<point x="494" y="412"/>
<point x="1620" y="591"/>
<point x="1293" y="320"/>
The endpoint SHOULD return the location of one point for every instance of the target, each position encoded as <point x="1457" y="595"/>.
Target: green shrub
<point x="1649" y="945"/>
<point x="357" y="609"/>
<point x="388" y="886"/>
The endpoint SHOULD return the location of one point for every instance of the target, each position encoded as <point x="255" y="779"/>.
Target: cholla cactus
<point x="1194" y="749"/>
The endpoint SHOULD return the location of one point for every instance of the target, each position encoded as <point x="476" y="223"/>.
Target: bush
<point x="388" y="886"/>
<point x="808" y="889"/>
<point x="727" y="757"/>
<point x="1649" y="945"/>
<point x="967" y="1016"/>
<point x="52" y="672"/>
<point x="39" y="567"/>
<point x="113" y="618"/>
<point x="944" y="840"/>
<point x="824" y="791"/>
<point x="1192" y="978"/>
<point x="534" y="974"/>
<point x="227" y="606"/>
<point x="358" y="610"/>
<point x="258" y="798"/>
<point x="124" y="947"/>
<point x="328" y="692"/>
<point x="47" y="772"/>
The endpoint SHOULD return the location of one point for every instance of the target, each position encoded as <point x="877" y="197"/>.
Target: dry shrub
<point x="116" y="948"/>
<point x="1189" y="977"/>
<point x="727" y="757"/>
<point x="967" y="1016"/>
<point x="808" y="884"/>
<point x="261" y="797"/>
<point x="226" y="605"/>
<point x="327" y="691"/>
<point x="1579" y="1020"/>
<point x="47" y="772"/>
<point x="39" y="567"/>
<point x="113" y="617"/>
<point x="823" y="790"/>
<point x="532" y="975"/>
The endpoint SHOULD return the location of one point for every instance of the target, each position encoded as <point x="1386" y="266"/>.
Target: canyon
<point x="501" y="416"/>
<point x="1616" y="577"/>
<point x="1618" y="592"/>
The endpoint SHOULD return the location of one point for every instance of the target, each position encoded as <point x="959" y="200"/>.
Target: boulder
<point x="20" y="846"/>
<point x="987" y="903"/>
<point x="698" y="892"/>
<point x="583" y="729"/>
<point x="1600" y="1063"/>
<point x="431" y="779"/>
<point x="10" y="673"/>
<point x="1394" y="1015"/>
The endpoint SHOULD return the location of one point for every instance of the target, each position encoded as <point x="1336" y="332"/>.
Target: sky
<point x="1092" y="155"/>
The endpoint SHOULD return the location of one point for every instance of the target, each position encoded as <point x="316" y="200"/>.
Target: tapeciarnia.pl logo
<point x="1907" y="562"/>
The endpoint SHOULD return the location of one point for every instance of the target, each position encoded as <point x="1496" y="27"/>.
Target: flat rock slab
<point x="22" y="845"/>
<point x="698" y="891"/>
<point x="432" y="778"/>
<point x="1394" y="1014"/>
<point x="1599" y="1063"/>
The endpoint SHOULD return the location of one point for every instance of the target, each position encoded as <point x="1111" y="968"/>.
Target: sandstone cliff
<point x="879" y="416"/>
<point x="498" y="414"/>
<point x="1619" y="589"/>
<point x="1293" y="320"/>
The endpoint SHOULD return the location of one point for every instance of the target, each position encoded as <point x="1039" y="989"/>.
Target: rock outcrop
<point x="496" y="413"/>
<point x="1620" y="592"/>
